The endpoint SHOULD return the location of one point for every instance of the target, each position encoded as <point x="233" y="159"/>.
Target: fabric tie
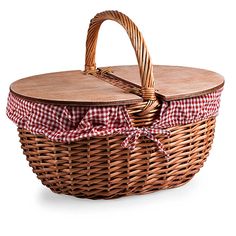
<point x="134" y="133"/>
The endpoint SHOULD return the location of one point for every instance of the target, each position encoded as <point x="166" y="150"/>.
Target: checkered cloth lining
<point x="71" y="123"/>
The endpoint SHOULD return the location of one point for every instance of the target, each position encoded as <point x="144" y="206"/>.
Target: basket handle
<point x="136" y="38"/>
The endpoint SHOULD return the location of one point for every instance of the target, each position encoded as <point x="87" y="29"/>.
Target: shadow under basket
<point x="100" y="168"/>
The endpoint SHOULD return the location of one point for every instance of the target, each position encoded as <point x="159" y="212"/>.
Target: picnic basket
<point x="118" y="131"/>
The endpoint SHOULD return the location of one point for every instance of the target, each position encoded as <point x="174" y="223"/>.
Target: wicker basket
<point x="99" y="167"/>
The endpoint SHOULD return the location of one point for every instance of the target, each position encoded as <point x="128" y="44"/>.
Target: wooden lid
<point x="76" y="88"/>
<point x="73" y="88"/>
<point x="175" y="82"/>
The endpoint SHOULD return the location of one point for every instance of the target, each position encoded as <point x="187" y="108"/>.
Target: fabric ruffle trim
<point x="71" y="123"/>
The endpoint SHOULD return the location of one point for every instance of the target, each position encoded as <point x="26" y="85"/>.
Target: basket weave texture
<point x="100" y="168"/>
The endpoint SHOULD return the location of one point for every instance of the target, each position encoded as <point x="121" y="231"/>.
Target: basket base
<point x="184" y="181"/>
<point x="99" y="168"/>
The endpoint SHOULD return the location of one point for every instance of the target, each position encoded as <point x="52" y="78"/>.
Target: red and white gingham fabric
<point x="71" y="123"/>
<point x="190" y="110"/>
<point x="66" y="123"/>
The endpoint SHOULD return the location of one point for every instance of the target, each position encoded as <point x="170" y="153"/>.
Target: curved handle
<point x="136" y="38"/>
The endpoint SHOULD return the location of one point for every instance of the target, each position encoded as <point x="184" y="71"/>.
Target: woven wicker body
<point x="100" y="168"/>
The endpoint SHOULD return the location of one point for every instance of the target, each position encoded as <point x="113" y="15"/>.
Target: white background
<point x="46" y="36"/>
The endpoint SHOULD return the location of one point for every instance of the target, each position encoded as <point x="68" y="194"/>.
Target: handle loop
<point x="136" y="38"/>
